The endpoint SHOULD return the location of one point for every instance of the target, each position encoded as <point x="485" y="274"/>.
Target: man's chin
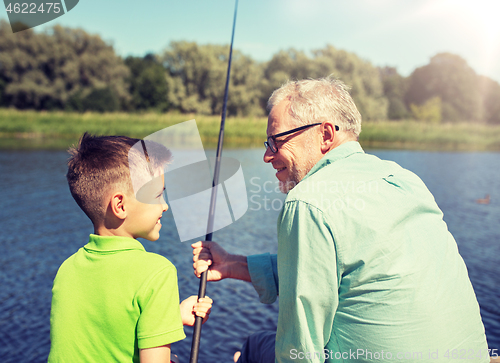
<point x="287" y="185"/>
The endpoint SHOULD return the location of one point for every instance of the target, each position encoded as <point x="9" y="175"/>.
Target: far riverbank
<point x="58" y="130"/>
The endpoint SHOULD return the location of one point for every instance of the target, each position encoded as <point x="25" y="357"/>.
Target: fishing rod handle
<point x="195" y="343"/>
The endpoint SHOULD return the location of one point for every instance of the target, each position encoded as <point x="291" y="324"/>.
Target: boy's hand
<point x="192" y="306"/>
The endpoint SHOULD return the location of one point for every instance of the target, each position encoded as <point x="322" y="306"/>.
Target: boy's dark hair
<point x="100" y="164"/>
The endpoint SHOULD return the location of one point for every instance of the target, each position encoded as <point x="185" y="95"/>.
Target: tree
<point x="394" y="86"/>
<point x="3" y="101"/>
<point x="245" y="88"/>
<point x="448" y="77"/>
<point x="360" y="75"/>
<point x="290" y="64"/>
<point x="197" y="74"/>
<point x="46" y="70"/>
<point x="490" y="94"/>
<point x="148" y="83"/>
<point x="430" y="111"/>
<point x="101" y="100"/>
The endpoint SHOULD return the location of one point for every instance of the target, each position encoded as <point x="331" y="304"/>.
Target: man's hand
<point x="192" y="306"/>
<point x="220" y="264"/>
<point x="207" y="254"/>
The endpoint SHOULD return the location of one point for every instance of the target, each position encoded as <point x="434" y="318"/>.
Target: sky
<point x="403" y="34"/>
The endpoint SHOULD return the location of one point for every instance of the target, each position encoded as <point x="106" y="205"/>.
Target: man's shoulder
<point x="357" y="177"/>
<point x="350" y="175"/>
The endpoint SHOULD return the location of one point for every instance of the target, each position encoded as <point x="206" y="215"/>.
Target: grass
<point x="58" y="130"/>
<point x="415" y="135"/>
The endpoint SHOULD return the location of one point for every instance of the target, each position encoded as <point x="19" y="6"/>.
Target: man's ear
<point x="117" y="205"/>
<point x="328" y="136"/>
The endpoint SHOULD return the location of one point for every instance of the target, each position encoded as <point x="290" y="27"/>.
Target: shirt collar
<point x="112" y="243"/>
<point x="340" y="152"/>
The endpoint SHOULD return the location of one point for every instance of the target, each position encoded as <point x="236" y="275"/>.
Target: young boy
<point x="112" y="301"/>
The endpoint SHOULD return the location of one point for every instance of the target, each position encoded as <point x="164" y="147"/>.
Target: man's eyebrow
<point x="286" y="137"/>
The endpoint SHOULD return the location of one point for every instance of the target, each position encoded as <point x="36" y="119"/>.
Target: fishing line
<point x="195" y="344"/>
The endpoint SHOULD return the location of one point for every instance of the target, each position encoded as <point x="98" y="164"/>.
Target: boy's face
<point x="145" y="210"/>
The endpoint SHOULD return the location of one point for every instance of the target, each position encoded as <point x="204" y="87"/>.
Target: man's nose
<point x="268" y="155"/>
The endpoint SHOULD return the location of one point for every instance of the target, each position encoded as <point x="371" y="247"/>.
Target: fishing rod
<point x="195" y="344"/>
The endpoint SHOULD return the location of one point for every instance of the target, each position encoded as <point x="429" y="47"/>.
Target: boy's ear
<point x="117" y="205"/>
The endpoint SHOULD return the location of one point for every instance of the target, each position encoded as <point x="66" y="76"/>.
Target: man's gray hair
<point x="318" y="100"/>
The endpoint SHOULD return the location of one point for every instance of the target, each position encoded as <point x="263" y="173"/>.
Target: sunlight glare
<point x="480" y="17"/>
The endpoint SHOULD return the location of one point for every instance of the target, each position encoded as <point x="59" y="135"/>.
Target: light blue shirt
<point x="368" y="270"/>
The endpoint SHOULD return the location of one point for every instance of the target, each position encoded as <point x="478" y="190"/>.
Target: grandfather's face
<point x="295" y="156"/>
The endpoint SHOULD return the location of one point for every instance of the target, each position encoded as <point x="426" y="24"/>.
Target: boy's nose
<point x="165" y="207"/>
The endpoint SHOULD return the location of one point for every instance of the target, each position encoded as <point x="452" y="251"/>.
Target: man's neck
<point x="340" y="139"/>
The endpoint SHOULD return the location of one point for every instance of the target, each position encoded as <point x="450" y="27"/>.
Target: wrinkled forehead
<point x="279" y="119"/>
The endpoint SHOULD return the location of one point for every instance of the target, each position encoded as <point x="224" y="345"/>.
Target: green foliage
<point x="197" y="76"/>
<point x="430" y="111"/>
<point x="394" y="86"/>
<point x="45" y="70"/>
<point x="397" y="109"/>
<point x="448" y="77"/>
<point x="360" y="75"/>
<point x="56" y="129"/>
<point x="490" y="93"/>
<point x="101" y="100"/>
<point x="410" y="134"/>
<point x="68" y="69"/>
<point x="3" y="101"/>
<point x="148" y="83"/>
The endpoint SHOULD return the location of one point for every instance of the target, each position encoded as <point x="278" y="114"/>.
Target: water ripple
<point x="42" y="226"/>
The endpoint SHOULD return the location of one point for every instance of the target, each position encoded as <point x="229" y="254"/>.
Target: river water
<point x="42" y="225"/>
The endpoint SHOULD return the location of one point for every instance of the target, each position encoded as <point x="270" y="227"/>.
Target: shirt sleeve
<point x="160" y="321"/>
<point x="309" y="284"/>
<point x="263" y="271"/>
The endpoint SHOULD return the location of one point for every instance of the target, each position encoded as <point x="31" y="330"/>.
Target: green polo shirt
<point x="368" y="271"/>
<point x="110" y="299"/>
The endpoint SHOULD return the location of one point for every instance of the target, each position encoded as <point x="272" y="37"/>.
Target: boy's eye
<point x="163" y="195"/>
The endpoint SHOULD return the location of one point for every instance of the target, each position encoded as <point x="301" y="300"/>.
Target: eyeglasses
<point x="271" y="140"/>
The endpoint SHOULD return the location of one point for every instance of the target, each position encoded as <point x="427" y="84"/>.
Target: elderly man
<point x="366" y="268"/>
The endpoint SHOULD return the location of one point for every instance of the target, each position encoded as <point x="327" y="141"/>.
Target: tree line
<point x="69" y="69"/>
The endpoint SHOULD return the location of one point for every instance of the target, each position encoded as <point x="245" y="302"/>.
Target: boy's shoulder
<point x="116" y="253"/>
